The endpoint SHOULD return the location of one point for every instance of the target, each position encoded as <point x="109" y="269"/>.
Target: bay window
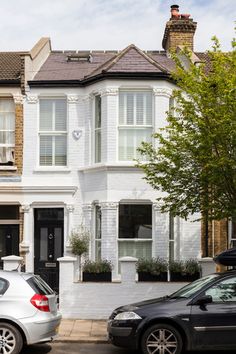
<point x="135" y="122"/>
<point x="7" y="131"/>
<point x="53" y="132"/>
<point x="135" y="230"/>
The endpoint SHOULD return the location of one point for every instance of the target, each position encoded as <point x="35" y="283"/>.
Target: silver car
<point x="28" y="311"/>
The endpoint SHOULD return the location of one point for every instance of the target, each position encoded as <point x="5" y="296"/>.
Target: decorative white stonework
<point x="18" y="99"/>
<point x="32" y="99"/>
<point x="87" y="207"/>
<point x="88" y="97"/>
<point x="159" y="91"/>
<point x="157" y="206"/>
<point x="70" y="208"/>
<point x="25" y="208"/>
<point x="77" y="133"/>
<point x="110" y="92"/>
<point x="109" y="205"/>
<point x="72" y="98"/>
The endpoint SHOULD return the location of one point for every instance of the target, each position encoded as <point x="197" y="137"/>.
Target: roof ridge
<point x="111" y="62"/>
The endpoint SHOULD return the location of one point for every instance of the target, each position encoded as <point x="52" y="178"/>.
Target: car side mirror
<point x="203" y="300"/>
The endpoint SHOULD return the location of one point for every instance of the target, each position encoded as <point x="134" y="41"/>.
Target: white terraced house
<point x="85" y="114"/>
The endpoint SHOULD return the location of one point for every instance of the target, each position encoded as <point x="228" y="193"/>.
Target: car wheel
<point x="161" y="339"/>
<point x="10" y="339"/>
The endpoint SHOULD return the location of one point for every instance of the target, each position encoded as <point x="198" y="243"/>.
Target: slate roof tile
<point x="10" y="66"/>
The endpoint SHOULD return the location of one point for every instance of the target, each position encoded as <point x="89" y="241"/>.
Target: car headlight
<point x="129" y="315"/>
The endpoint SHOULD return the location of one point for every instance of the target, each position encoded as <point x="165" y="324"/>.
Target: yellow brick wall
<point x="180" y="38"/>
<point x="19" y="138"/>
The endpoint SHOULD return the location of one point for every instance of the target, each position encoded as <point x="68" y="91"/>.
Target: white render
<point x="82" y="183"/>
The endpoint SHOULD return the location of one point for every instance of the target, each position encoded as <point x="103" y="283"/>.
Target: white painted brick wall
<point x="97" y="300"/>
<point x="102" y="185"/>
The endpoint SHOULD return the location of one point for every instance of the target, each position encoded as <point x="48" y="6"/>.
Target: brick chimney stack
<point x="179" y="31"/>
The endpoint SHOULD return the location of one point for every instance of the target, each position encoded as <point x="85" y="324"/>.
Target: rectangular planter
<point x="97" y="277"/>
<point x="144" y="276"/>
<point x="184" y="277"/>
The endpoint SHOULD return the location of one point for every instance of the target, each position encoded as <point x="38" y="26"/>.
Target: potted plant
<point x="176" y="269"/>
<point x="192" y="270"/>
<point x="187" y="271"/>
<point x="154" y="269"/>
<point x="98" y="271"/>
<point x="79" y="242"/>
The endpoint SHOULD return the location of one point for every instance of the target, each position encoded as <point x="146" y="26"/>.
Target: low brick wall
<point x="97" y="300"/>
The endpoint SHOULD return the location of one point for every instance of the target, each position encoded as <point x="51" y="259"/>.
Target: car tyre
<point x="161" y="339"/>
<point x="11" y="341"/>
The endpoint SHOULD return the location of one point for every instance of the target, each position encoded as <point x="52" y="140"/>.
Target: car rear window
<point x="39" y="286"/>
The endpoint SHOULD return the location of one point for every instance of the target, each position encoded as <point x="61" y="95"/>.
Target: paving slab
<point x="83" y="331"/>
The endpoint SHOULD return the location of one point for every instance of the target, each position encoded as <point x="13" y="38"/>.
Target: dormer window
<point x="81" y="56"/>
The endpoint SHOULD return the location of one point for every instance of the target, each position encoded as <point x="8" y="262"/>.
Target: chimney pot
<point x="174" y="11"/>
<point x="179" y="30"/>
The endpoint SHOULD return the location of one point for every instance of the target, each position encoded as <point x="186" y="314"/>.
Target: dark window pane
<point x="39" y="286"/>
<point x="9" y="212"/>
<point x="50" y="214"/>
<point x="135" y="221"/>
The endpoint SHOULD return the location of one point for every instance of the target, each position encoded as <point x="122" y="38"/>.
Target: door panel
<point x="9" y="241"/>
<point x="214" y="324"/>
<point x="48" y="244"/>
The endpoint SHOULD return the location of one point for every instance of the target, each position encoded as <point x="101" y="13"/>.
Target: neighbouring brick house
<point x="85" y="113"/>
<point x="11" y="149"/>
<point x="13" y="87"/>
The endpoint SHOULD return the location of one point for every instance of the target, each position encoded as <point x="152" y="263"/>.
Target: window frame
<point x="53" y="133"/>
<point x="135" y="126"/>
<point x="97" y="130"/>
<point x="136" y="240"/>
<point x="7" y="145"/>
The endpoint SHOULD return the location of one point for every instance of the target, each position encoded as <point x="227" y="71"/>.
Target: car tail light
<point x="40" y="302"/>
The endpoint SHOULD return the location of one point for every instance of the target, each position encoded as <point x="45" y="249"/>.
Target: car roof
<point x="11" y="274"/>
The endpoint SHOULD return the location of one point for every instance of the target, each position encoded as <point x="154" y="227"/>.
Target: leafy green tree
<point x="193" y="159"/>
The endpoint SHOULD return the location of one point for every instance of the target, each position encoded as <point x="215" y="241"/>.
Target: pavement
<point x="83" y="331"/>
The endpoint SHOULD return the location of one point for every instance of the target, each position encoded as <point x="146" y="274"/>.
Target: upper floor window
<point x="7" y="131"/>
<point x="53" y="132"/>
<point x="97" y="129"/>
<point x="135" y="122"/>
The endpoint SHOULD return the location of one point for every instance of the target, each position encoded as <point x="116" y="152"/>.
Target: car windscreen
<point x="192" y="288"/>
<point x="39" y="285"/>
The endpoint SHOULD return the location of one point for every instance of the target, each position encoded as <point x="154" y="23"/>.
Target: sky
<point x="109" y="24"/>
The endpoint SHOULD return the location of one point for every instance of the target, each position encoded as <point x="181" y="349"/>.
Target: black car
<point x="200" y="316"/>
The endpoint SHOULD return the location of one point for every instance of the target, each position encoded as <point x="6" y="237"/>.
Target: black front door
<point x="9" y="241"/>
<point x="48" y="244"/>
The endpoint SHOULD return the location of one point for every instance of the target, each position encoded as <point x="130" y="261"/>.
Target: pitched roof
<point x="131" y="60"/>
<point x="81" y="67"/>
<point x="10" y="66"/>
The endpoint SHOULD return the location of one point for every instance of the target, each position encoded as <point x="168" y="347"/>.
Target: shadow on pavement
<point x="37" y="349"/>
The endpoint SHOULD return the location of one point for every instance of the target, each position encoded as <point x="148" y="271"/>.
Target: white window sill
<point x="110" y="166"/>
<point x="48" y="169"/>
<point x="8" y="168"/>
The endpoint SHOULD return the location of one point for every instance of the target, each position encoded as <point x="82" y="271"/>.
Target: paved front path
<point x="83" y="331"/>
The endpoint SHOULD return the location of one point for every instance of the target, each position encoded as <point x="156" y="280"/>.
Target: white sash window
<point x="135" y="122"/>
<point x="53" y="132"/>
<point x="7" y="131"/>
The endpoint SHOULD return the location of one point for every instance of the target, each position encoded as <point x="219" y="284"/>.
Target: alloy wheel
<point x="162" y="341"/>
<point x="10" y="339"/>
